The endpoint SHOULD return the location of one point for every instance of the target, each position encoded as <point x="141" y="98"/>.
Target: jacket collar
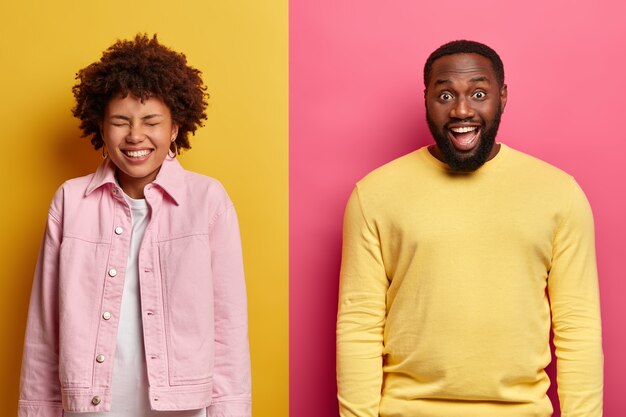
<point x="170" y="178"/>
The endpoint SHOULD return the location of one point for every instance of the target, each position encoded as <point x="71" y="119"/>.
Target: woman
<point x="138" y="305"/>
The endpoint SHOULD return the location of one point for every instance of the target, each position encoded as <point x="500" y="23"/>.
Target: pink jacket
<point x="192" y="296"/>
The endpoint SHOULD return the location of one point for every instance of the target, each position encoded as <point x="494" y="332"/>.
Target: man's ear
<point x="503" y="94"/>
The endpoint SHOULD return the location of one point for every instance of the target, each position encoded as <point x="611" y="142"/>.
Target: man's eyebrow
<point x="474" y="80"/>
<point x="480" y="79"/>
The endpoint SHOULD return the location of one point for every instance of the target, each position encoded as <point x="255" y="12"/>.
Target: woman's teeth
<point x="137" y="154"/>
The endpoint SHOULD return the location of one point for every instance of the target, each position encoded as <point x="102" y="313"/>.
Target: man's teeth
<point x="137" y="154"/>
<point x="464" y="129"/>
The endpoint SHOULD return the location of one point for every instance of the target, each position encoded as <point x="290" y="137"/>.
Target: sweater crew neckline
<point x="486" y="167"/>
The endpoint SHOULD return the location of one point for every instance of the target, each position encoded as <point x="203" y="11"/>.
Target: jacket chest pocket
<point x="187" y="284"/>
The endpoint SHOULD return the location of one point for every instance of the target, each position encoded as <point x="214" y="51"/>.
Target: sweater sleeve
<point x="574" y="301"/>
<point x="40" y="389"/>
<point x="361" y="316"/>
<point x="231" y="375"/>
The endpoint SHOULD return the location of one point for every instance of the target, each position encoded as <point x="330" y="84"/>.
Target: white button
<point x="119" y="230"/>
<point x="100" y="358"/>
<point x="112" y="272"/>
<point x="95" y="400"/>
<point x="106" y="315"/>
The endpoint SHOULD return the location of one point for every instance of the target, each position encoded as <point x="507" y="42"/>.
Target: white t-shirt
<point x="130" y="378"/>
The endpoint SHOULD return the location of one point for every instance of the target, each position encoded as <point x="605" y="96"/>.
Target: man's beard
<point x="455" y="159"/>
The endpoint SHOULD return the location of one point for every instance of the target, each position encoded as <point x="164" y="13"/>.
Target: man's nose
<point x="462" y="109"/>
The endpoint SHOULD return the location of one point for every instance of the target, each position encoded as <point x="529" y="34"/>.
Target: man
<point x="458" y="258"/>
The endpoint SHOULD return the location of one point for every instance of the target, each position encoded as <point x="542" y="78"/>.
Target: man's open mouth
<point x="464" y="138"/>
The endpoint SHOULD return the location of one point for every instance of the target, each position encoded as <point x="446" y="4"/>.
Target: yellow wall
<point x="241" y="47"/>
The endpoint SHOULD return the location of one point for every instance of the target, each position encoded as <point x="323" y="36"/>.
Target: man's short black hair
<point x="465" y="47"/>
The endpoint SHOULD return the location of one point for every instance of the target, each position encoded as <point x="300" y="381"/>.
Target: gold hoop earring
<point x="172" y="154"/>
<point x="105" y="154"/>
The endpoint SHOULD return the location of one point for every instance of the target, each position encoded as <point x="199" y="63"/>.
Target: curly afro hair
<point x="144" y="68"/>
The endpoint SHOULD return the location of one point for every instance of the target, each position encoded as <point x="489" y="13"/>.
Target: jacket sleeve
<point x="574" y="301"/>
<point x="40" y="391"/>
<point x="361" y="316"/>
<point x="231" y="376"/>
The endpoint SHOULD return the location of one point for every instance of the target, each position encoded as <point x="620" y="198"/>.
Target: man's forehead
<point x="473" y="66"/>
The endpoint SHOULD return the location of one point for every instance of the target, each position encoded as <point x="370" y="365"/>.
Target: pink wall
<point x="355" y="103"/>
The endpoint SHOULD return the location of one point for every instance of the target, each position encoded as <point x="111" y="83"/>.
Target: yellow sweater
<point x="448" y="285"/>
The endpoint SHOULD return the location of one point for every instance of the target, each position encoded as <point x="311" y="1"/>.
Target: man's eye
<point x="445" y="96"/>
<point x="152" y="124"/>
<point x="480" y="95"/>
<point x="119" y="124"/>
